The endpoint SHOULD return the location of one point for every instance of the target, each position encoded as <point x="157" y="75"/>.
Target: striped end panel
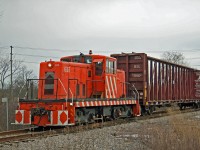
<point x="111" y="87"/>
<point x="104" y="103"/>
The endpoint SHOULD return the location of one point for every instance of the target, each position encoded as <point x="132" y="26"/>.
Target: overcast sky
<point x="105" y="26"/>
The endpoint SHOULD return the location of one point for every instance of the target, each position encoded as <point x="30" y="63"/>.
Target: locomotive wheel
<point x="116" y="113"/>
<point x="129" y="114"/>
<point x="90" y="117"/>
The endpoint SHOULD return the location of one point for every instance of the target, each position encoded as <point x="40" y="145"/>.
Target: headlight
<point x="49" y="65"/>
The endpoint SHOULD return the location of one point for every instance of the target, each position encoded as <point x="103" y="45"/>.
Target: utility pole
<point x="11" y="82"/>
<point x="11" y="73"/>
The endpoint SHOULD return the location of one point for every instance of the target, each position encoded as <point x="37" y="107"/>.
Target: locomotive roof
<point x="91" y="55"/>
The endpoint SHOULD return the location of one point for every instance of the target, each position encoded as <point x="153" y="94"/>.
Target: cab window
<point x="110" y="66"/>
<point x="49" y="83"/>
<point x="98" y="68"/>
<point x="66" y="59"/>
<point x="87" y="59"/>
<point x="76" y="59"/>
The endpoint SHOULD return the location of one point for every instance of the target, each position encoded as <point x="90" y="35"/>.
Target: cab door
<point x="98" y="78"/>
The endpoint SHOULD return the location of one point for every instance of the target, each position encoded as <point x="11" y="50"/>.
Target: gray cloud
<point x="104" y="26"/>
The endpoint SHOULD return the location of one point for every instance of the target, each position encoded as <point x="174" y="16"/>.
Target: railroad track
<point x="16" y="134"/>
<point x="27" y="134"/>
<point x="7" y="133"/>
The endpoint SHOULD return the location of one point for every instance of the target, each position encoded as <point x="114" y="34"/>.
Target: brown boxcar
<point x="159" y="82"/>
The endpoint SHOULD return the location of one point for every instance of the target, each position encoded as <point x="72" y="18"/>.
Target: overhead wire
<point x="31" y="62"/>
<point x="36" y="55"/>
<point x="62" y="50"/>
<point x="42" y="49"/>
<point x="177" y="50"/>
<point x="4" y="47"/>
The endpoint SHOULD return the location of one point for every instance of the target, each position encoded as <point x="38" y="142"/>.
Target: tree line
<point x="20" y="73"/>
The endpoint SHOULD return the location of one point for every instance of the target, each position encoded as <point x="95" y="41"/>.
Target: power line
<point x="59" y="50"/>
<point x="189" y="50"/>
<point x="31" y="62"/>
<point x="4" y="47"/>
<point x="193" y="58"/>
<point x="44" y="49"/>
<point x="176" y="50"/>
<point x="36" y="55"/>
<point x="64" y="50"/>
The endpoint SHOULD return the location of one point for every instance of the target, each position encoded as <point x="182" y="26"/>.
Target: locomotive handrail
<point x="137" y="96"/>
<point x="21" y="90"/>
<point x="64" y="89"/>
<point x="136" y="91"/>
<point x="28" y="86"/>
<point x="22" y="87"/>
<point x="72" y="97"/>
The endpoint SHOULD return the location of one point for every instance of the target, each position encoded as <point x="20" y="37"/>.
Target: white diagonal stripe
<point x="106" y="93"/>
<point x="108" y="86"/>
<point x="112" y="87"/>
<point x="115" y="85"/>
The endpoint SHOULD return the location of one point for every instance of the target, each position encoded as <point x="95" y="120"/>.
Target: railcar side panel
<point x="158" y="81"/>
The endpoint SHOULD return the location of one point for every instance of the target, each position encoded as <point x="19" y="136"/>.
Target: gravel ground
<point x="128" y="136"/>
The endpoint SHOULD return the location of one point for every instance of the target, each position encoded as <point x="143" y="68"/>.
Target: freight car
<point x="77" y="89"/>
<point x="159" y="82"/>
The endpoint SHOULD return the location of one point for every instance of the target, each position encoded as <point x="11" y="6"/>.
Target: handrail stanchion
<point x="136" y="91"/>
<point x="72" y="97"/>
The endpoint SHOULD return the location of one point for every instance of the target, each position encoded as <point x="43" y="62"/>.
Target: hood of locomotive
<point x="53" y="80"/>
<point x="50" y="108"/>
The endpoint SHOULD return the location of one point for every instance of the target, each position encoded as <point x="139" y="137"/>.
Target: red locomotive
<point x="76" y="89"/>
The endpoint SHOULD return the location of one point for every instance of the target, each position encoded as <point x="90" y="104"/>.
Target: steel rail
<point x="21" y="135"/>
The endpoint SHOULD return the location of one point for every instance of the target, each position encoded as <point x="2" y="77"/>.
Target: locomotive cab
<point x="105" y="78"/>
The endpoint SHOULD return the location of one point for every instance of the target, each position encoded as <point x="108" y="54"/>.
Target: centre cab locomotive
<point x="76" y="89"/>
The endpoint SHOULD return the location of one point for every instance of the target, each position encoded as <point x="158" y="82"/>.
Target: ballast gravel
<point x="128" y="136"/>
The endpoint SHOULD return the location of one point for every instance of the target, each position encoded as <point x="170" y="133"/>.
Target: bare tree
<point x="22" y="76"/>
<point x="5" y="69"/>
<point x="174" y="57"/>
<point x="20" y="80"/>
